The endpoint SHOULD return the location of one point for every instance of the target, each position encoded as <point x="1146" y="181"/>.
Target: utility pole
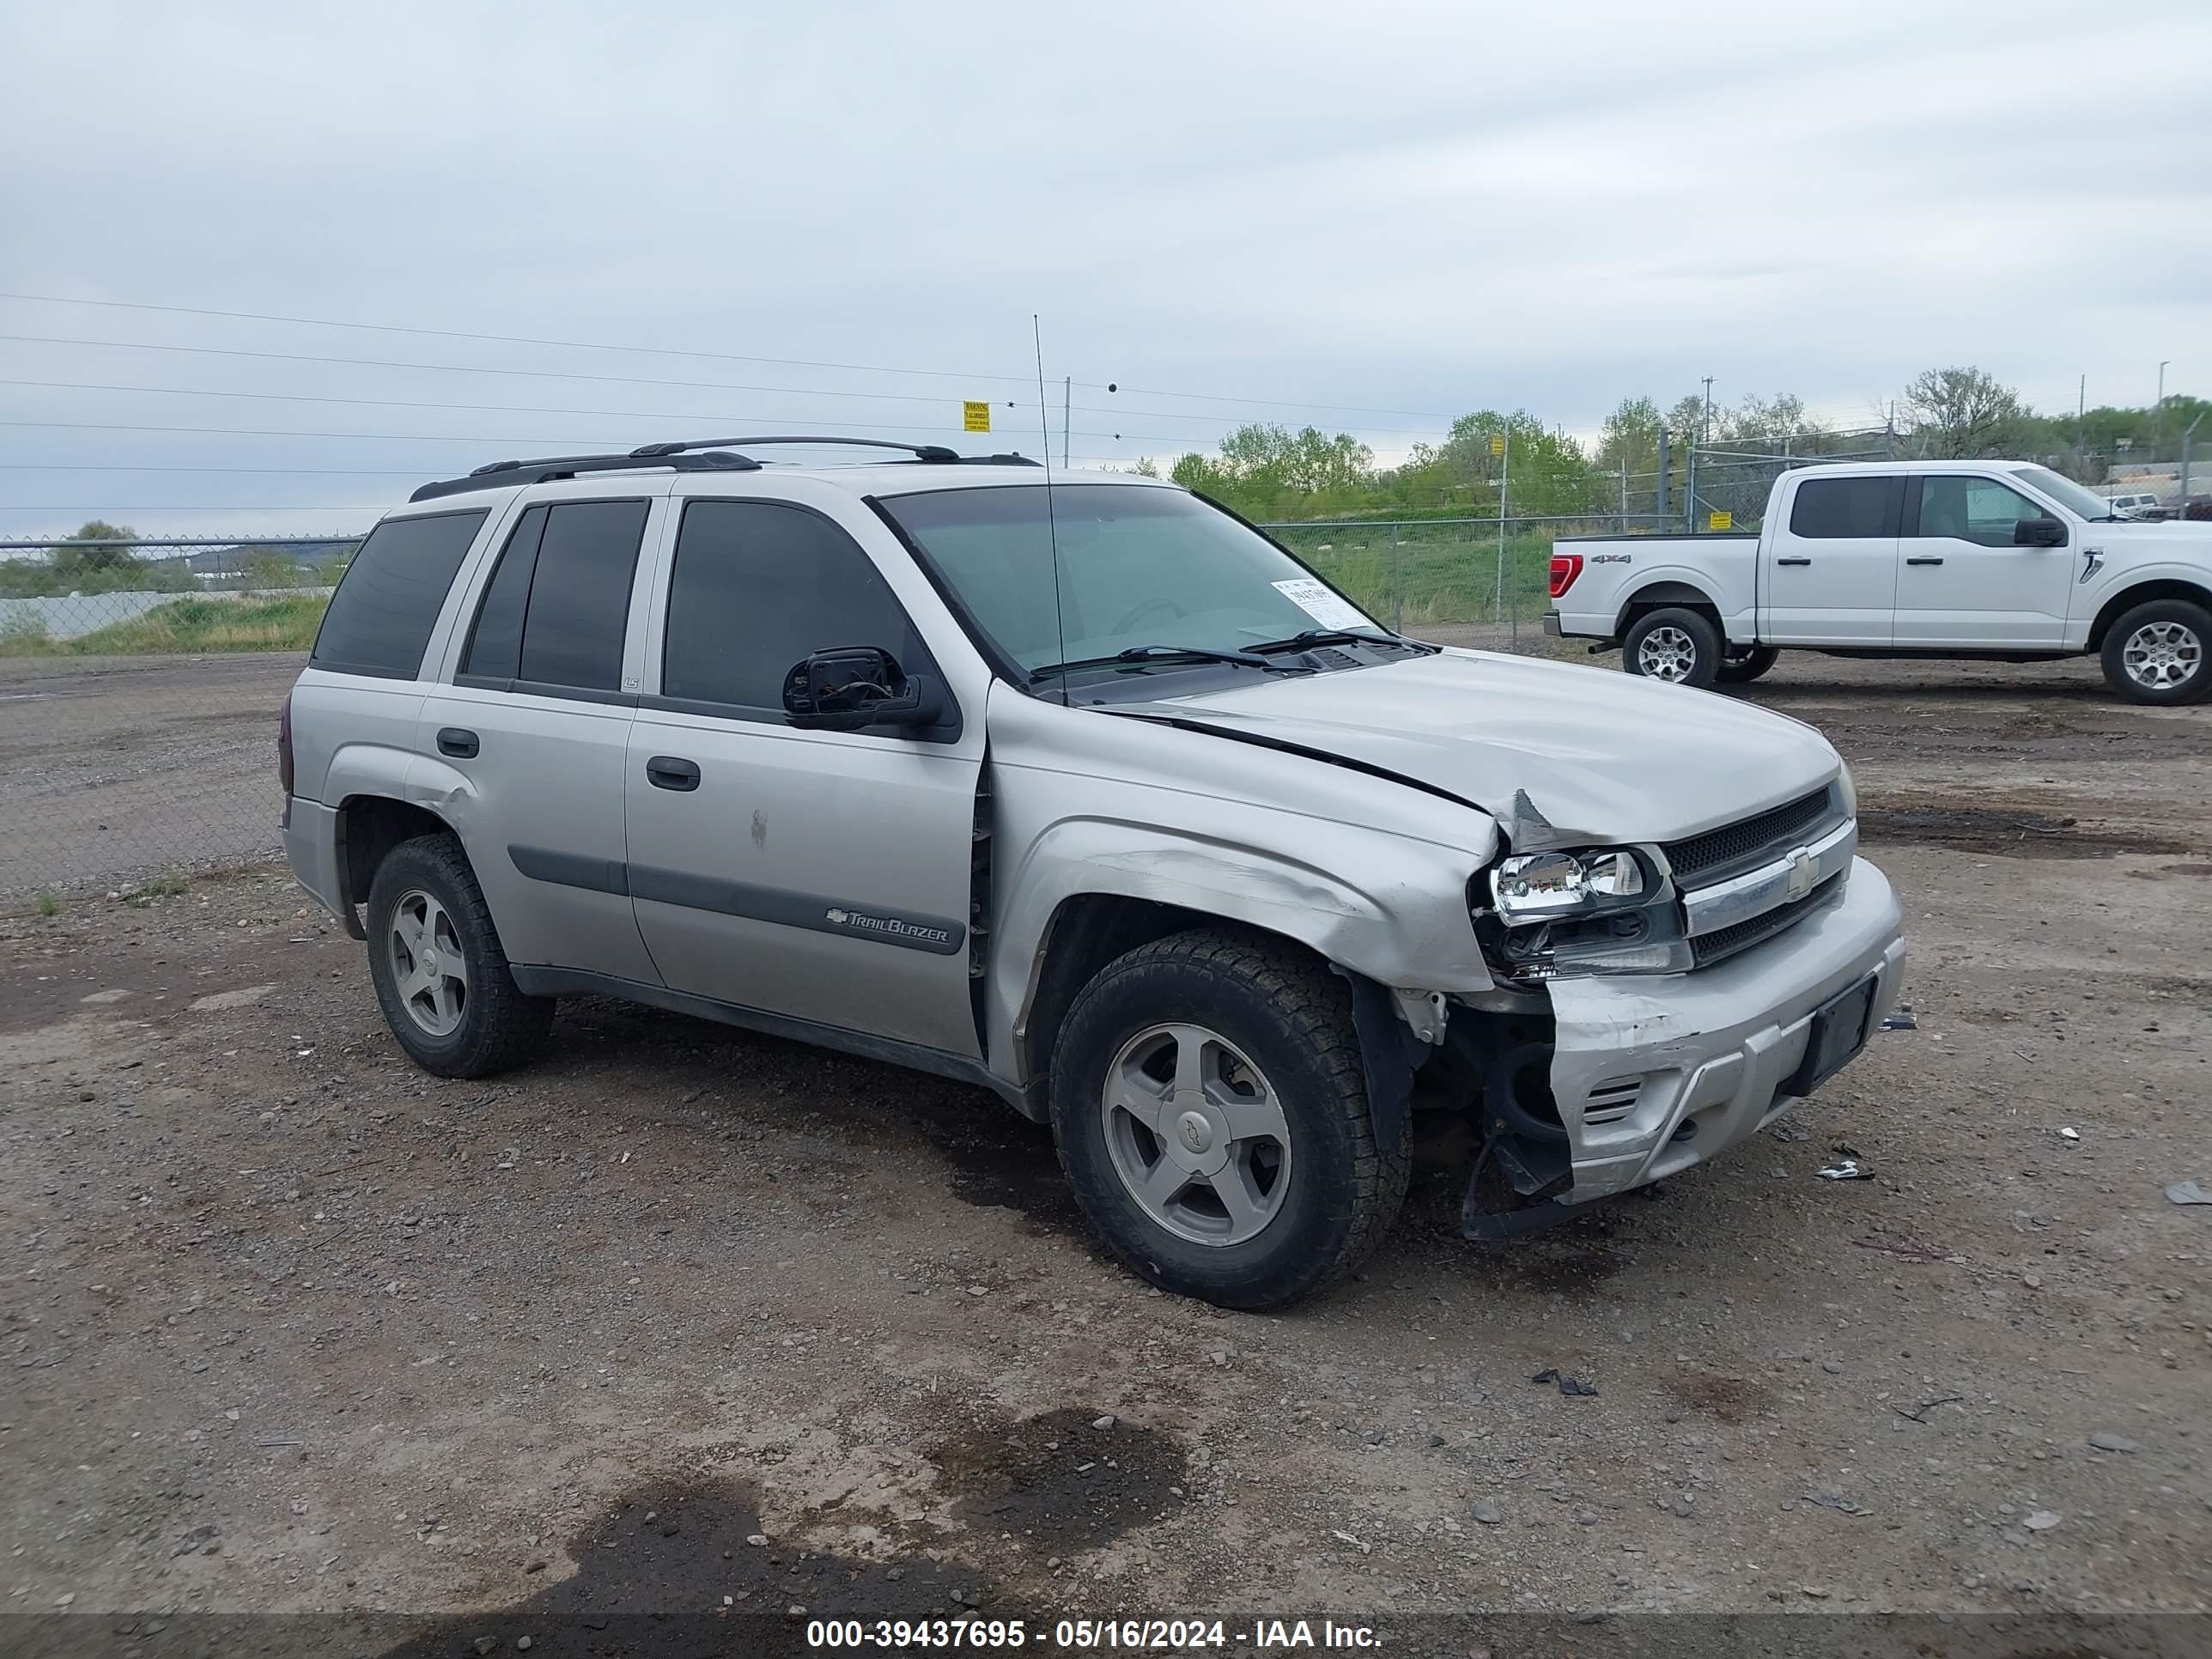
<point x="1665" y="467"/>
<point x="1505" y="482"/>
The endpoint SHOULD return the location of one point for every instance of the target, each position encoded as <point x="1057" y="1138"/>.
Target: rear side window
<point x="757" y="587"/>
<point x="557" y="607"/>
<point x="1830" y="509"/>
<point x="387" y="602"/>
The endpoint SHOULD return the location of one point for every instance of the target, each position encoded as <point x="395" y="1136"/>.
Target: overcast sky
<point x="1366" y="216"/>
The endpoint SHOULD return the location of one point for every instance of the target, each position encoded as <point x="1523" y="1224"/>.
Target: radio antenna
<point x="1051" y="523"/>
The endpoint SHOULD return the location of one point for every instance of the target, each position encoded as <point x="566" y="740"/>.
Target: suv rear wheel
<point x="439" y="974"/>
<point x="1211" y="1112"/>
<point x="2155" y="653"/>
<point x="1678" y="646"/>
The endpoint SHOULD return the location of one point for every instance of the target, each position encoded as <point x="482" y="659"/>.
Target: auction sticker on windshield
<point x="1326" y="608"/>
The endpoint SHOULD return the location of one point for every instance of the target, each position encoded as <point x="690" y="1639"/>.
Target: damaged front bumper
<point x="1652" y="1075"/>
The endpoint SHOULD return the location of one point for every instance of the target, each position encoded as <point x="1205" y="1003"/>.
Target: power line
<point x="659" y="416"/>
<point x="510" y="339"/>
<point x="572" y="375"/>
<point x="714" y="356"/>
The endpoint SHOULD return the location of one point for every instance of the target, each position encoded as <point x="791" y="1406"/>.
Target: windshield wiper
<point x="1163" y="653"/>
<point x="1313" y="636"/>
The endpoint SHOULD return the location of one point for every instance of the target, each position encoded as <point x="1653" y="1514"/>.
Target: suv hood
<point x="1600" y="756"/>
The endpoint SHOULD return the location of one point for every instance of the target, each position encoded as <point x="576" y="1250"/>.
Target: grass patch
<point x="193" y="626"/>
<point x="1441" y="575"/>
<point x="49" y="903"/>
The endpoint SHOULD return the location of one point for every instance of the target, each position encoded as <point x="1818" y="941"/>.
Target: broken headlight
<point x="1531" y="885"/>
<point x="1604" y="910"/>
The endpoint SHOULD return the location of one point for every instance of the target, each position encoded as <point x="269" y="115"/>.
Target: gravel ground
<point x="291" y="1327"/>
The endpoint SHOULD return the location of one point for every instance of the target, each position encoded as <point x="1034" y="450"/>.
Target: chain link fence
<point x="139" y="684"/>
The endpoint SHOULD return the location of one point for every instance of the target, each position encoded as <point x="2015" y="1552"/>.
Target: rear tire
<point x="1742" y="667"/>
<point x="1241" y="1049"/>
<point x="1678" y="646"/>
<point x="2155" y="654"/>
<point x="440" y="976"/>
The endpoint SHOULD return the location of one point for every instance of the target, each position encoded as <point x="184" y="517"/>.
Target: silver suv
<point x="1079" y="788"/>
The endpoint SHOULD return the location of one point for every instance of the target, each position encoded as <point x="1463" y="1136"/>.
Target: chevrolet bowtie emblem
<point x="1802" y="869"/>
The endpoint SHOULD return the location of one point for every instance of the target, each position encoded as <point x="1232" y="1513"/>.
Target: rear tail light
<point x="1565" y="566"/>
<point x="284" y="747"/>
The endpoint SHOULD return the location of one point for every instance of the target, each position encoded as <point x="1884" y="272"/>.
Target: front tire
<point x="2155" y="653"/>
<point x="440" y="976"/>
<point x="1681" y="647"/>
<point x="1743" y="667"/>
<point x="1211" y="1112"/>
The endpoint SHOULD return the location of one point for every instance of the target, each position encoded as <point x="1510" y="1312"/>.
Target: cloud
<point x="1426" y="210"/>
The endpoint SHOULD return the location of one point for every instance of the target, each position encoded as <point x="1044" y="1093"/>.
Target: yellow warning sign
<point x="1498" y="443"/>
<point x="975" y="416"/>
<point x="1720" y="521"/>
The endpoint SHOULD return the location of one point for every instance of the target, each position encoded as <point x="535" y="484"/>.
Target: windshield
<point x="1139" y="566"/>
<point x="2065" y="491"/>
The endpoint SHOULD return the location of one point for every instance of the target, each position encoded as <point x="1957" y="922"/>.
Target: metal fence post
<point x="1397" y="585"/>
<point x="1665" y="467"/>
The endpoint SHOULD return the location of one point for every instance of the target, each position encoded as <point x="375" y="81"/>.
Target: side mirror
<point x="852" y="687"/>
<point x="2038" y="532"/>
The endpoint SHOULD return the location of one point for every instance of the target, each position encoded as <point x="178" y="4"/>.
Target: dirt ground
<point x="291" y="1327"/>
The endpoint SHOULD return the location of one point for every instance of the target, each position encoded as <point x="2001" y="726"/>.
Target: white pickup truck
<point x="2001" y="560"/>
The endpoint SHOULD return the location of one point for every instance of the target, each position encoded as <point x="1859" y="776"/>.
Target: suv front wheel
<point x="1210" y="1110"/>
<point x="439" y="974"/>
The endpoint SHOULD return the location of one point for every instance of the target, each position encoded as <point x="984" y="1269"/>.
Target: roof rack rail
<point x="700" y="455"/>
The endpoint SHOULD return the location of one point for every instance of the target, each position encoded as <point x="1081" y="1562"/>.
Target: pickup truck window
<point x="2070" y="495"/>
<point x="755" y="587"/>
<point x="1138" y="567"/>
<point x="1831" y="509"/>
<point x="1967" y="508"/>
<point x="388" y="600"/>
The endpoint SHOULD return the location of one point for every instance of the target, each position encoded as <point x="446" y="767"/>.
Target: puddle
<point x="1057" y="1482"/>
<point x="2006" y="833"/>
<point x="650" y="1575"/>
<point x="1007" y="1165"/>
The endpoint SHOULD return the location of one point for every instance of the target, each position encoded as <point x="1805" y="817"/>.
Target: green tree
<point x="1962" y="413"/>
<point x="270" y="567"/>
<point x="95" y="545"/>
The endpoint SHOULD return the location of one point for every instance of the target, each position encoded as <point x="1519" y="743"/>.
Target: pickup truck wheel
<point x="1678" y="646"/>
<point x="2155" y="653"/>
<point x="1742" y="667"/>
<point x="1211" y="1112"/>
<point x="439" y="974"/>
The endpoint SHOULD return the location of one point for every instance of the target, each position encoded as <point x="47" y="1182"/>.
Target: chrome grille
<point x="1733" y="847"/>
<point x="1709" y="948"/>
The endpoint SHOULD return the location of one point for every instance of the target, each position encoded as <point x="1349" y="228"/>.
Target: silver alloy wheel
<point x="2161" y="655"/>
<point x="428" y="968"/>
<point x="1197" y="1134"/>
<point x="1667" y="653"/>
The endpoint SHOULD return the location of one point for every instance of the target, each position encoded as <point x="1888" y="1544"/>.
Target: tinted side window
<point x="757" y="587"/>
<point x="496" y="642"/>
<point x="1972" y="509"/>
<point x="1832" y="509"/>
<point x="388" y="600"/>
<point x="556" y="610"/>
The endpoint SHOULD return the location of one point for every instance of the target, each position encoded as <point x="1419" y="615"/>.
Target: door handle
<point x="672" y="772"/>
<point x="1793" y="562"/>
<point x="456" y="741"/>
<point x="1924" y="558"/>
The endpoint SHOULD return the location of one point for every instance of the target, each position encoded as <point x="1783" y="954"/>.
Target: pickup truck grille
<point x="1735" y="847"/>
<point x="1717" y="946"/>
